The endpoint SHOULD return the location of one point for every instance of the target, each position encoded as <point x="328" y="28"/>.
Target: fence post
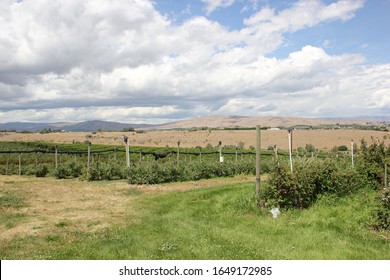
<point x="89" y="156"/>
<point x="20" y="165"/>
<point x="126" y="141"/>
<point x="290" y="149"/>
<point x="56" y="157"/>
<point x="352" y="156"/>
<point x="258" y="162"/>
<point x="178" y="150"/>
<point x="220" y="152"/>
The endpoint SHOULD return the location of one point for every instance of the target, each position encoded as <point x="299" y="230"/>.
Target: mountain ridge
<point x="198" y="122"/>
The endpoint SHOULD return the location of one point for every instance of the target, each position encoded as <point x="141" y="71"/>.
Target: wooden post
<point x="89" y="156"/>
<point x="56" y="157"/>
<point x="290" y="149"/>
<point x="236" y="154"/>
<point x="352" y="156"/>
<point x="126" y="141"/>
<point x="178" y="150"/>
<point x="220" y="152"/>
<point x="20" y="165"/>
<point x="258" y="164"/>
<point x="128" y="152"/>
<point x="276" y="152"/>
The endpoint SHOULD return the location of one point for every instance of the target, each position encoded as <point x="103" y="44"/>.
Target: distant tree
<point x="310" y="148"/>
<point x="342" y="148"/>
<point x="128" y="129"/>
<point x="240" y="145"/>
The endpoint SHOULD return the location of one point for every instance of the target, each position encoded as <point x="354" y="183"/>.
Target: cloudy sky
<point x="141" y="61"/>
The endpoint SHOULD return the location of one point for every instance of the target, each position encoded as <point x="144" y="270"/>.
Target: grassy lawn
<point x="45" y="218"/>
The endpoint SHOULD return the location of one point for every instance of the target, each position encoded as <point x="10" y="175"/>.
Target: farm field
<point x="321" y="139"/>
<point x="47" y="218"/>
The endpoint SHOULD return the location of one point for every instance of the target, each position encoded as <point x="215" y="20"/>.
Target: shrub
<point x="68" y="170"/>
<point x="41" y="170"/>
<point x="383" y="211"/>
<point x="156" y="173"/>
<point x="105" y="171"/>
<point x="342" y="148"/>
<point x="310" y="179"/>
<point x="371" y="163"/>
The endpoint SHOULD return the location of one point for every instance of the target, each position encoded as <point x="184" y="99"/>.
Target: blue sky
<point x="364" y="33"/>
<point x="147" y="61"/>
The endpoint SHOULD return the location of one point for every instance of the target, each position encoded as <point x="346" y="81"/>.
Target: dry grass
<point x="50" y="204"/>
<point x="322" y="139"/>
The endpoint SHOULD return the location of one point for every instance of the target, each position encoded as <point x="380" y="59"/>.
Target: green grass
<point x="11" y="200"/>
<point x="217" y="223"/>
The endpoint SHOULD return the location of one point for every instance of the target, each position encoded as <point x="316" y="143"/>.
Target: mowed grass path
<point x="45" y="218"/>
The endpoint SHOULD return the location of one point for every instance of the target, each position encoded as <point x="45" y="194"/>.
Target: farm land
<point x="329" y="210"/>
<point x="321" y="139"/>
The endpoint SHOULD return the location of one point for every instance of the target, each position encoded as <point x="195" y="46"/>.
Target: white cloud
<point x="302" y="14"/>
<point x="122" y="60"/>
<point x="212" y="5"/>
<point x="124" y="114"/>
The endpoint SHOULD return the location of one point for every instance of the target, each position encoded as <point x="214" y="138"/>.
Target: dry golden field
<point x="322" y="139"/>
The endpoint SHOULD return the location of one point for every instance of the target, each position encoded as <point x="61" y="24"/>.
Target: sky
<point x="141" y="61"/>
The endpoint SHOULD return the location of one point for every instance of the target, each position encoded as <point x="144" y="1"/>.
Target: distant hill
<point x="244" y="121"/>
<point x="210" y="122"/>
<point x="67" y="126"/>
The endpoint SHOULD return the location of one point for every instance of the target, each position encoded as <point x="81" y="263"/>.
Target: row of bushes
<point x="154" y="172"/>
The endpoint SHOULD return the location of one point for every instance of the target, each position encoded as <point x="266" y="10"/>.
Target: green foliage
<point x="106" y="171"/>
<point x="41" y="170"/>
<point x="310" y="148"/>
<point x="342" y="148"/>
<point x="157" y="173"/>
<point x="9" y="199"/>
<point x="371" y="161"/>
<point x="382" y="214"/>
<point x="310" y="179"/>
<point x="68" y="170"/>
